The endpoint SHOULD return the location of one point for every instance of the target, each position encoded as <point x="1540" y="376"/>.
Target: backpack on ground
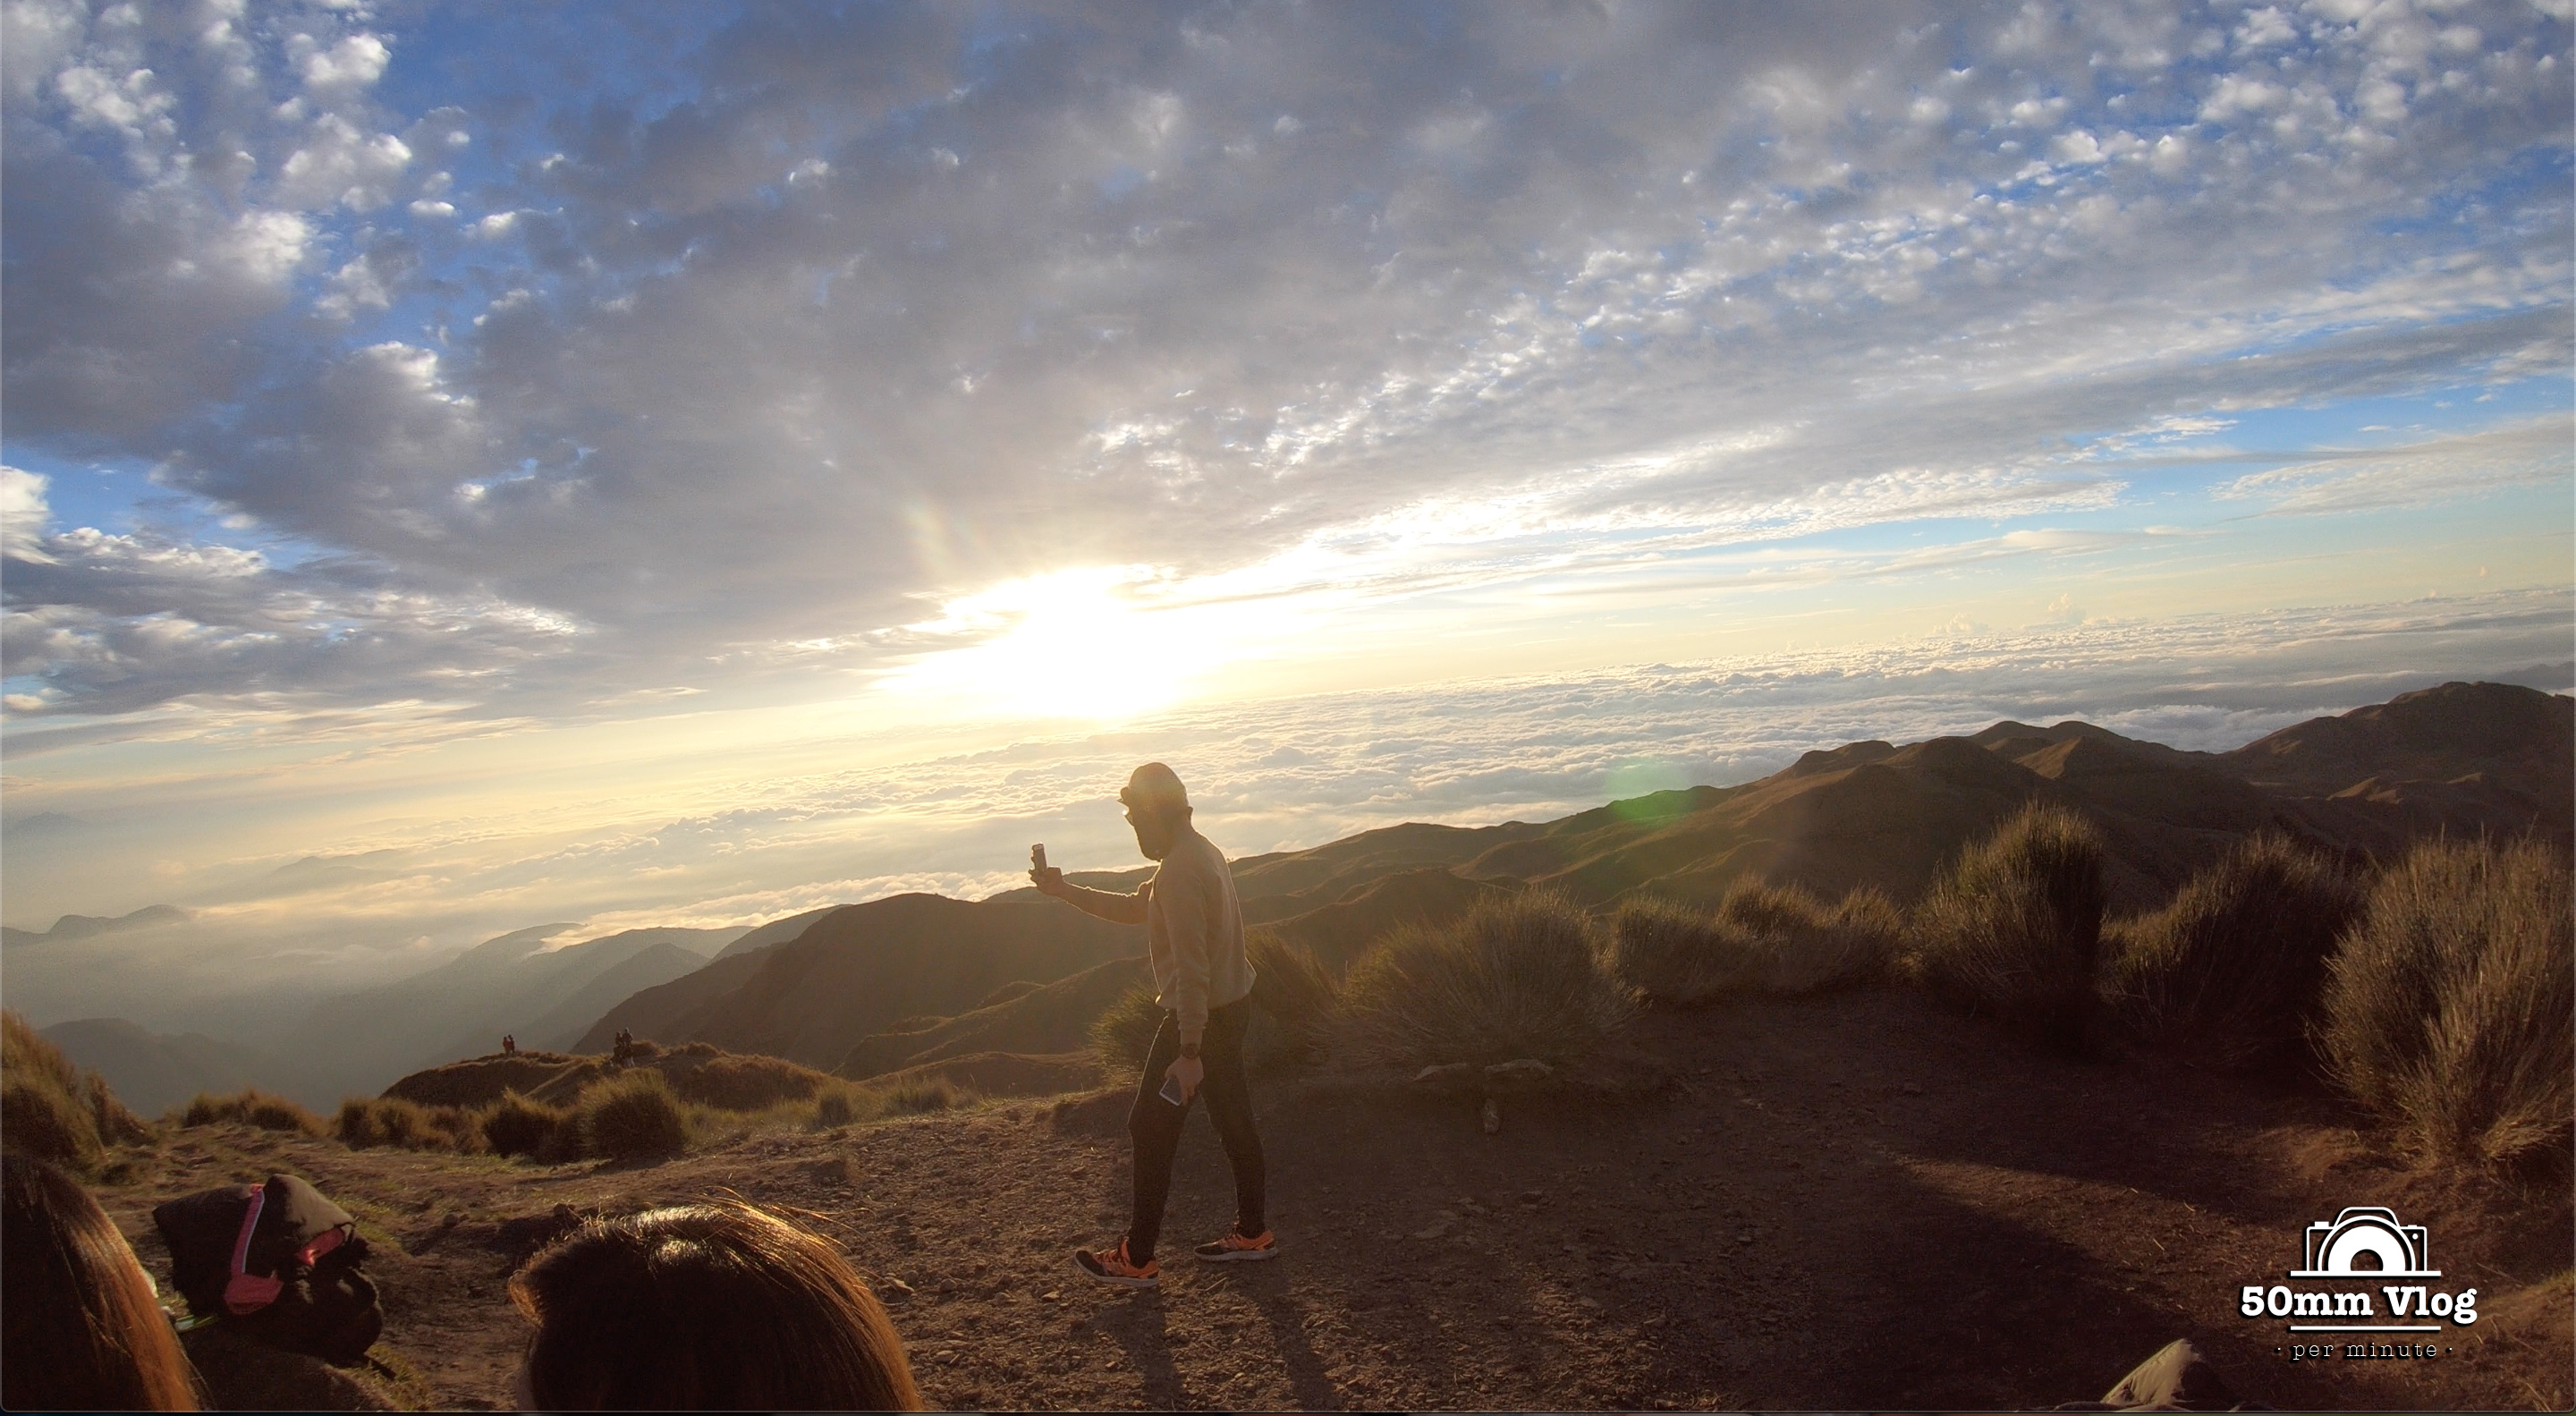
<point x="278" y="1263"/>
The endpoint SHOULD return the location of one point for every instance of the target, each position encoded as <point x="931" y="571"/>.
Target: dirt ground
<point x="1853" y="1203"/>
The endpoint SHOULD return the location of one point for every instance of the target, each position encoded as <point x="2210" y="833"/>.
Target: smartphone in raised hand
<point x="1037" y="856"/>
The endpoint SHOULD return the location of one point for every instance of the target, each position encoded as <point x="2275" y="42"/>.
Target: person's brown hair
<point x="83" y="1331"/>
<point x="707" y="1307"/>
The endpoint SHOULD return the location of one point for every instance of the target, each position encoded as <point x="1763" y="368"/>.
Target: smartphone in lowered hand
<point x="1171" y="1091"/>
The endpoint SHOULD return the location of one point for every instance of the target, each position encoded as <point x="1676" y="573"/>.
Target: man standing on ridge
<point x="1194" y="939"/>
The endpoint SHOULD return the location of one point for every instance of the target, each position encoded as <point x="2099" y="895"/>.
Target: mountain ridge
<point x="1867" y="813"/>
<point x="814" y="986"/>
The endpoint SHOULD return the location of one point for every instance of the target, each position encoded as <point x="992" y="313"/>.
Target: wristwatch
<point x="1190" y="1050"/>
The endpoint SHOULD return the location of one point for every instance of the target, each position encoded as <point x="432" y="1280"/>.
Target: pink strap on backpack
<point x="246" y="1292"/>
<point x="250" y="1292"/>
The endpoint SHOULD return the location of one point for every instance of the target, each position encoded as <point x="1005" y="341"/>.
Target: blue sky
<point x="405" y="405"/>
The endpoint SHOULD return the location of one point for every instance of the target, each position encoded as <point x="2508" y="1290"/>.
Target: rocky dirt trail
<point x="1855" y="1202"/>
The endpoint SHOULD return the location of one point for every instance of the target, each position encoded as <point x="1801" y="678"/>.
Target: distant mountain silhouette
<point x="155" y="1071"/>
<point x="777" y="931"/>
<point x="328" y="872"/>
<point x="512" y="984"/>
<point x="72" y="926"/>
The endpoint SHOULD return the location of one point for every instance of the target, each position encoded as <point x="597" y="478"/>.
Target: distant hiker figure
<point x="1194" y="939"/>
<point x="625" y="1049"/>
<point x="509" y="1045"/>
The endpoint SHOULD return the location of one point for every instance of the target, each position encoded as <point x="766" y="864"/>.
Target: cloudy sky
<point x="664" y="463"/>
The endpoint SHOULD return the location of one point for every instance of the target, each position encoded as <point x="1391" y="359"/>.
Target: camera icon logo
<point x="2397" y="1250"/>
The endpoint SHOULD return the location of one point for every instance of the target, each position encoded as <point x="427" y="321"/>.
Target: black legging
<point x="1156" y="1124"/>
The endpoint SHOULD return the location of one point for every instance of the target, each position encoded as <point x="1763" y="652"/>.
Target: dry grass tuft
<point x="2014" y="931"/>
<point x="2229" y="972"/>
<point x="746" y="1083"/>
<point x="1868" y="932"/>
<point x="2451" y="1008"/>
<point x="400" y="1124"/>
<point x="251" y="1107"/>
<point x="1682" y="957"/>
<point x="916" y="1098"/>
<point x="515" y="1125"/>
<point x="1761" y="938"/>
<point x="117" y="1124"/>
<point x="1297" y="1003"/>
<point x="836" y="1107"/>
<point x="42" y="1112"/>
<point x="1810" y="946"/>
<point x="633" y="1117"/>
<point x="1519" y="976"/>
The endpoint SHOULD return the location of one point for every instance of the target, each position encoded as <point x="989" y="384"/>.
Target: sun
<point x="1068" y="644"/>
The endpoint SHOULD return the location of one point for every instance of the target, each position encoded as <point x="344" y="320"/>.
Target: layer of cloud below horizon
<point x="1268" y="776"/>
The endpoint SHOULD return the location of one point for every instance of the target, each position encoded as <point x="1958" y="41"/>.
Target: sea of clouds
<point x="1272" y="775"/>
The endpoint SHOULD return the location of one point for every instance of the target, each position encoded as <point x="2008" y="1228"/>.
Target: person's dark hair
<point x="707" y="1307"/>
<point x="83" y="1329"/>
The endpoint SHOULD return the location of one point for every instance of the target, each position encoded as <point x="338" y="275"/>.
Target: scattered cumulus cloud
<point x="761" y="329"/>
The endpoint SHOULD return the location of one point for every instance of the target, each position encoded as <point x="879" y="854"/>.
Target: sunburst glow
<point x="1079" y="643"/>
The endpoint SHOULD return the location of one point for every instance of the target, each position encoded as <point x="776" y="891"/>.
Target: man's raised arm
<point x="1099" y="904"/>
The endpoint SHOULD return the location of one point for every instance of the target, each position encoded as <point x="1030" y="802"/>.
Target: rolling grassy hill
<point x="2462" y="758"/>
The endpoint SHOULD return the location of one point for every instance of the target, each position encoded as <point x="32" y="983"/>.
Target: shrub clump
<point x="252" y="1107"/>
<point x="2451" y="1008"/>
<point x="515" y="1125"/>
<point x="1761" y="938"/>
<point x="746" y="1083"/>
<point x="1520" y="975"/>
<point x="1868" y="931"/>
<point x="2230" y="970"/>
<point x="1682" y="957"/>
<point x="1805" y="945"/>
<point x="1297" y="1003"/>
<point x="403" y="1124"/>
<point x="356" y="1124"/>
<point x="916" y="1098"/>
<point x="835" y="1107"/>
<point x="632" y="1117"/>
<point x="2014" y="931"/>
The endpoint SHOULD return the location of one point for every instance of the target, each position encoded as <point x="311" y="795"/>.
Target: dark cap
<point x="1155" y="787"/>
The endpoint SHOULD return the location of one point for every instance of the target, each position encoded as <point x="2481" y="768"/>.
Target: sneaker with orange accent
<point x="1234" y="1247"/>
<point x="1111" y="1266"/>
